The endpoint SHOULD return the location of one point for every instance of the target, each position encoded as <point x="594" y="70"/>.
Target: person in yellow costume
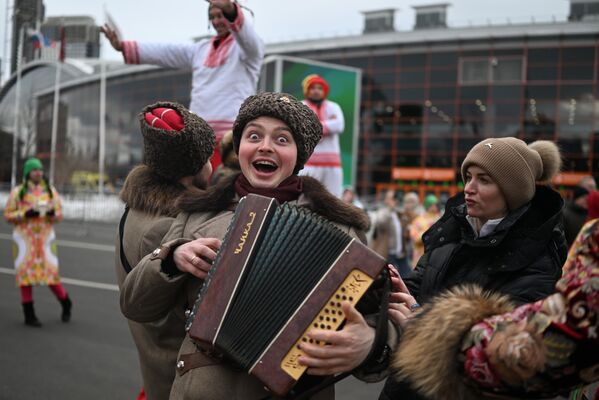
<point x="34" y="207"/>
<point x="421" y="224"/>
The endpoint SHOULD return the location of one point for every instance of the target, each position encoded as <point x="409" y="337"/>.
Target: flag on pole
<point x="61" y="53"/>
<point x="39" y="40"/>
<point x="46" y="48"/>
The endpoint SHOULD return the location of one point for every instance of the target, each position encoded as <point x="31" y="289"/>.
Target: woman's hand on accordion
<point x="345" y="349"/>
<point x="196" y="257"/>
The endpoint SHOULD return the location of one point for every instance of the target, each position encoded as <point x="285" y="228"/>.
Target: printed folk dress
<point x="34" y="248"/>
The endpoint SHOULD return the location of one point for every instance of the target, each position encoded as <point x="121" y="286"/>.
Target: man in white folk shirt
<point x="225" y="68"/>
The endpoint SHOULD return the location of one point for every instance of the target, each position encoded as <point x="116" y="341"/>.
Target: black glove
<point x="50" y="213"/>
<point x="31" y="213"/>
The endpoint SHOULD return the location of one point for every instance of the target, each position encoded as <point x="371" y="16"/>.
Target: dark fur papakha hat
<point x="173" y="154"/>
<point x="303" y="122"/>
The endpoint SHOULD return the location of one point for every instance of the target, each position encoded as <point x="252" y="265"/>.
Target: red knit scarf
<point x="288" y="190"/>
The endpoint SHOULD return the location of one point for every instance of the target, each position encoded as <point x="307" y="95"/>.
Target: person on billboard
<point x="225" y="68"/>
<point x="325" y="163"/>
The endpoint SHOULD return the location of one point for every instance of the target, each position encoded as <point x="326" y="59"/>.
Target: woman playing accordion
<point x="274" y="135"/>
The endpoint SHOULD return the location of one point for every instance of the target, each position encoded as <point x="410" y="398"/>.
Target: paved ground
<point x="92" y="357"/>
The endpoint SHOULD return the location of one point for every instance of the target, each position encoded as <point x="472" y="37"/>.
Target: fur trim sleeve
<point x="427" y="354"/>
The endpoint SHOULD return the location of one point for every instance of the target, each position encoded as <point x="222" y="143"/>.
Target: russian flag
<point x="39" y="40"/>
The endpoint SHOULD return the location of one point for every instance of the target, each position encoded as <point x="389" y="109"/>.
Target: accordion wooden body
<point x="281" y="271"/>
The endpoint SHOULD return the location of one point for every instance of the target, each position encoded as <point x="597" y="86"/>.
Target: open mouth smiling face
<point x="267" y="152"/>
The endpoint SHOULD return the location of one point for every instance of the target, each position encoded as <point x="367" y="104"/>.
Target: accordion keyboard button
<point x="355" y="283"/>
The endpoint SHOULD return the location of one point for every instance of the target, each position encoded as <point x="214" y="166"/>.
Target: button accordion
<point x="281" y="271"/>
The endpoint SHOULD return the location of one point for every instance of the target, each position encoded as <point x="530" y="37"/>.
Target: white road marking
<point x="74" y="282"/>
<point x="70" y="243"/>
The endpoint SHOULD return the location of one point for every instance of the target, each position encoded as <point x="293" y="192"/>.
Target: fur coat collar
<point x="144" y="191"/>
<point x="222" y="196"/>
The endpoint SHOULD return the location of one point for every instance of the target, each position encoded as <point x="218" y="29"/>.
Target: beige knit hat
<point x="514" y="166"/>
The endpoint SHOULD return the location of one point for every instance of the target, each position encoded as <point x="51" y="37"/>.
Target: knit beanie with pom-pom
<point x="514" y="166"/>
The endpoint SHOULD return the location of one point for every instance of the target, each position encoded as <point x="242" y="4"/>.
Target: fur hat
<point x="514" y="166"/>
<point x="303" y="122"/>
<point x="173" y="153"/>
<point x="312" y="80"/>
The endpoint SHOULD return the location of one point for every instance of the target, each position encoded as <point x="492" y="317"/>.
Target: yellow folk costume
<point x="33" y="208"/>
<point x="34" y="248"/>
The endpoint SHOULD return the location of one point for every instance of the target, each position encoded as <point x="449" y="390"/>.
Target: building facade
<point x="427" y="96"/>
<point x="81" y="35"/>
<point x="27" y="14"/>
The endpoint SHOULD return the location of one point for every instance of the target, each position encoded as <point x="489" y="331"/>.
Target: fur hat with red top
<point x="312" y="80"/>
<point x="177" y="142"/>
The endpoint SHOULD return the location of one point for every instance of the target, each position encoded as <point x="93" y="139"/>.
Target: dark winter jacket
<point x="522" y="258"/>
<point x="574" y="218"/>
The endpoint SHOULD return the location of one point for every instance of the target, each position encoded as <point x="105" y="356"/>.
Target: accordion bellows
<point x="281" y="271"/>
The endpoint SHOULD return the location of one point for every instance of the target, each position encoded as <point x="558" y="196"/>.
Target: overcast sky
<point x="284" y="20"/>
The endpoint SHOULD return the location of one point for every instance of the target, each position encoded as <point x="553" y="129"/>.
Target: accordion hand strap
<point x="124" y="262"/>
<point x="377" y="359"/>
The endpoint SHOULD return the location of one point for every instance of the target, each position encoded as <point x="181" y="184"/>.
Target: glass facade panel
<point x="444" y="60"/>
<point x="543" y="56"/>
<point x="506" y="128"/>
<point x="506" y="69"/>
<point x="474" y="93"/>
<point x="405" y="160"/>
<point x="541" y="92"/>
<point x="578" y="55"/>
<point x="442" y="93"/>
<point x="505" y="93"/>
<point x="508" y="110"/>
<point x="358" y="62"/>
<point x="443" y="77"/>
<point x="384" y="78"/>
<point x="576" y="92"/>
<point x="474" y="71"/>
<point x="409" y="143"/>
<point x="411" y="95"/>
<point x="412" y="60"/>
<point x="442" y="160"/>
<point x="543" y="73"/>
<point x="577" y="73"/>
<point x="385" y="62"/>
<point x="412" y="77"/>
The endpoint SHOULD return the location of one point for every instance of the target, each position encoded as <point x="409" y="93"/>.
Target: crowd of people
<point x="481" y="297"/>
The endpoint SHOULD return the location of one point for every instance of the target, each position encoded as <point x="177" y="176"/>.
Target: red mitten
<point x="156" y="122"/>
<point x="170" y="116"/>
